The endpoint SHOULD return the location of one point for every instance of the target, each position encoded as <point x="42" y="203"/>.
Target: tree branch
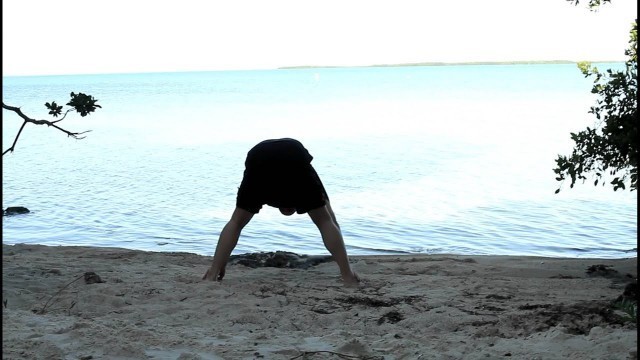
<point x="58" y="292"/>
<point x="75" y="135"/>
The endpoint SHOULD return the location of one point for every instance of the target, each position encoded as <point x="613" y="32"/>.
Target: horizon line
<point x="301" y="67"/>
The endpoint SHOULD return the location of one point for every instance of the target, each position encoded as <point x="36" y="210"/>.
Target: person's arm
<point x="226" y="243"/>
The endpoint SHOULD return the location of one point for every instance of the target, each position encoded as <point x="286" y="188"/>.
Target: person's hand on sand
<point x="213" y="274"/>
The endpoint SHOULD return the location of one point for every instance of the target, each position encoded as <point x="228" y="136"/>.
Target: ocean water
<point x="440" y="159"/>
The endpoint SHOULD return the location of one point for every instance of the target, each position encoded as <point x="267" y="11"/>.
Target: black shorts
<point x="278" y="173"/>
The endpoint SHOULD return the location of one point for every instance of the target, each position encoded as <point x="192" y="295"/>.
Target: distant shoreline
<point x="435" y="63"/>
<point x="300" y="67"/>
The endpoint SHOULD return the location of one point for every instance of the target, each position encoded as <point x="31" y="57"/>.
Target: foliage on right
<point x="610" y="148"/>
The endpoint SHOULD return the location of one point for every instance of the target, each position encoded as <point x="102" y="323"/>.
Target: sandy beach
<point x="107" y="303"/>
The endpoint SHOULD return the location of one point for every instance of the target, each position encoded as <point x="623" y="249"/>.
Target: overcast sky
<point x="46" y="37"/>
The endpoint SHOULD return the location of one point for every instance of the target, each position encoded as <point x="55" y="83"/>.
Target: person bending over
<point x="278" y="173"/>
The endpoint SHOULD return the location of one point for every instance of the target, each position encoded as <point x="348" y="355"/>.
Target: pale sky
<point x="46" y="37"/>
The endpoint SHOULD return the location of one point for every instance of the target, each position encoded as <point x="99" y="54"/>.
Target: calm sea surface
<point x="443" y="159"/>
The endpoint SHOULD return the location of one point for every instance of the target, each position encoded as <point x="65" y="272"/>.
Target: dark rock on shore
<point x="279" y="259"/>
<point x="15" y="210"/>
<point x="601" y="270"/>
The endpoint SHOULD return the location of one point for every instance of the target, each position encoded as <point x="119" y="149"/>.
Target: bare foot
<point x="211" y="275"/>
<point x="351" y="280"/>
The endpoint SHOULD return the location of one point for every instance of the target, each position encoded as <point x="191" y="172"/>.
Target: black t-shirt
<point x="278" y="173"/>
<point x="280" y="154"/>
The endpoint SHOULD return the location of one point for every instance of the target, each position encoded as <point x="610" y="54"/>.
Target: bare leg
<point x="226" y="243"/>
<point x="332" y="237"/>
<point x="333" y="216"/>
